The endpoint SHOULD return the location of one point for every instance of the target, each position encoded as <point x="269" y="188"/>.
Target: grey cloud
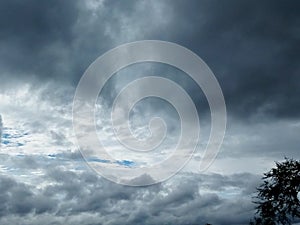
<point x="68" y="195"/>
<point x="34" y="35"/>
<point x="58" y="40"/>
<point x="266" y="139"/>
<point x="252" y="49"/>
<point x="143" y="179"/>
<point x="218" y="182"/>
<point x="59" y="138"/>
<point x="250" y="46"/>
<point x="18" y="198"/>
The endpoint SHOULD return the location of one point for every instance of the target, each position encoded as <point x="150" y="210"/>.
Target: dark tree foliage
<point x="278" y="196"/>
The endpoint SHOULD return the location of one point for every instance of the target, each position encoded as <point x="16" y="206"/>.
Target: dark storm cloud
<point x="33" y="36"/>
<point x="251" y="46"/>
<point x="59" y="39"/>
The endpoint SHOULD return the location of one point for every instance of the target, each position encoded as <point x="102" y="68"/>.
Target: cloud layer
<point x="45" y="46"/>
<point x="60" y="195"/>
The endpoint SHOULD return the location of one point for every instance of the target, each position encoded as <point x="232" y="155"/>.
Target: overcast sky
<point x="253" y="49"/>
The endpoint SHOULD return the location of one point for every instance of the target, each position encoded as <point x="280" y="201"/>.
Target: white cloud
<point x="1" y="127"/>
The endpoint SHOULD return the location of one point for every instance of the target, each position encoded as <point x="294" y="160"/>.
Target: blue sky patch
<point x="125" y="163"/>
<point x="5" y="142"/>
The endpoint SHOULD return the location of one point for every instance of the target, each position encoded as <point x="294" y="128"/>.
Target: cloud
<point x="58" y="40"/>
<point x="248" y="54"/>
<point x="45" y="46"/>
<point x="18" y="198"/>
<point x="79" y="197"/>
<point x="1" y="128"/>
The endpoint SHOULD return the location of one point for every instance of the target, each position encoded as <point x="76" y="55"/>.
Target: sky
<point x="252" y="48"/>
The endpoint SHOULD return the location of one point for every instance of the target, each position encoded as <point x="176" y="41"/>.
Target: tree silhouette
<point x="277" y="198"/>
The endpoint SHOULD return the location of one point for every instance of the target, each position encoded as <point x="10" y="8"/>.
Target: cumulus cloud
<point x="82" y="197"/>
